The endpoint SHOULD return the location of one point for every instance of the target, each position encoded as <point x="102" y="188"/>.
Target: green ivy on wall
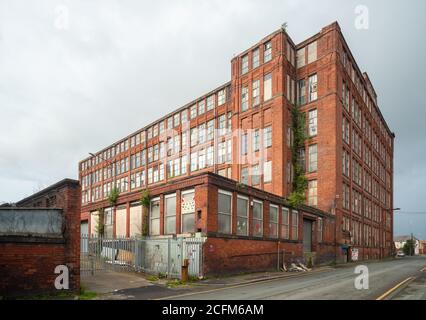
<point x="145" y="202"/>
<point x="113" y="197"/>
<point x="300" y="183"/>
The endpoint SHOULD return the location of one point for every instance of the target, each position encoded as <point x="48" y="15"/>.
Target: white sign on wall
<point x="354" y="254"/>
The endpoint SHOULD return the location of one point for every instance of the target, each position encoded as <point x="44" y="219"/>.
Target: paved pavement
<point x="109" y="282"/>
<point x="321" y="284"/>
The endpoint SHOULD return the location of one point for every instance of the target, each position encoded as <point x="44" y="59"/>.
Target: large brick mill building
<point x="222" y="164"/>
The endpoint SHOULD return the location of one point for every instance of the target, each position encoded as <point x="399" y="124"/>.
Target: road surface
<point x="390" y="279"/>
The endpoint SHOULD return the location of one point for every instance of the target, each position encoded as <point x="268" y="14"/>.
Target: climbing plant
<point x="113" y="197"/>
<point x="300" y="183"/>
<point x="145" y="202"/>
<point x="145" y="198"/>
<point x="100" y="227"/>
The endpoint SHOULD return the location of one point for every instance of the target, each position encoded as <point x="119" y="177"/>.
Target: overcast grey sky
<point x="76" y="76"/>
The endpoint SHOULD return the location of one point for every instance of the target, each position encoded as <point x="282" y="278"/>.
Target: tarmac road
<point x="387" y="279"/>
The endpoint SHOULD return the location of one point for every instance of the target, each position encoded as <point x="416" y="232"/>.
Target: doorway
<point x="307" y="236"/>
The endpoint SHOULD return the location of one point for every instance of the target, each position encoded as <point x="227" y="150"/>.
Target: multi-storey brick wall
<point x="28" y="262"/>
<point x="267" y="81"/>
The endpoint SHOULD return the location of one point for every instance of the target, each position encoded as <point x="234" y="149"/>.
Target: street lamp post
<point x="390" y="210"/>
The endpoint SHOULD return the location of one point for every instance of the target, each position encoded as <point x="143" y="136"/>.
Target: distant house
<point x="422" y="249"/>
<point x="401" y="240"/>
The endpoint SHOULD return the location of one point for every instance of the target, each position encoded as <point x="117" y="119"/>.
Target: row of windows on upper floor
<point x="353" y="200"/>
<point x="255" y="98"/>
<point x="357" y="169"/>
<point x="198" y="136"/>
<point x="202" y="106"/>
<point x="368" y="98"/>
<point x="354" y="108"/>
<point x="199" y="160"/>
<point x="304" y="56"/>
<point x="359" y="140"/>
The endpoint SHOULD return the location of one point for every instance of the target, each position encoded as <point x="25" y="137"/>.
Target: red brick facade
<point x="27" y="264"/>
<point x="265" y="84"/>
<point x="228" y="252"/>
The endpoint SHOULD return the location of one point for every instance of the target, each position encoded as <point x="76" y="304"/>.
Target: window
<point x="300" y="58"/>
<point x="257" y="218"/>
<point x="201" y="159"/>
<point x="256" y="58"/>
<point x="312" y="115"/>
<point x="301" y="91"/>
<point x="313" y="158"/>
<point x="201" y="107"/>
<point x="345" y="130"/>
<point x="244" y="175"/>
<point x="202" y="133"/>
<point x="221" y="97"/>
<point x="285" y="223"/>
<point x="170" y="123"/>
<point x="267" y="171"/>
<point x="256" y="140"/>
<point x="170" y="214"/>
<point x="244" y="98"/>
<point x="176" y="119"/>
<point x="312" y="52"/>
<point x="255" y="179"/>
<point x="312" y="193"/>
<point x="267" y="54"/>
<point x="242" y="216"/>
<point x="273" y="221"/>
<point x="295" y="225"/>
<point x="184" y="116"/>
<point x="221" y="153"/>
<point x="184" y="163"/>
<point x="224" y="212"/>
<point x="194" y="136"/>
<point x="313" y="88"/>
<point x="244" y="144"/>
<point x="193" y="112"/>
<point x="267" y="137"/>
<point x="244" y="64"/>
<point x="210" y="103"/>
<point x="210" y="156"/>
<point x="176" y="167"/>
<point x="188" y="211"/>
<point x="161" y="170"/>
<point x="154" y="216"/>
<point x="345" y="197"/>
<point x="345" y="163"/>
<point x="319" y="229"/>
<point x="222" y="124"/>
<point x="256" y="93"/>
<point x="194" y="161"/>
<point x="267" y="87"/>
<point x="210" y="130"/>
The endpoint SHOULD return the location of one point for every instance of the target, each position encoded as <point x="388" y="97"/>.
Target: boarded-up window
<point x="135" y="220"/>
<point x="121" y="221"/>
<point x="301" y="58"/>
<point x="312" y="52"/>
<point x="267" y="87"/>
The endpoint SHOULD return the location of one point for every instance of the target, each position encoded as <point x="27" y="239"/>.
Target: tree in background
<point x="409" y="247"/>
